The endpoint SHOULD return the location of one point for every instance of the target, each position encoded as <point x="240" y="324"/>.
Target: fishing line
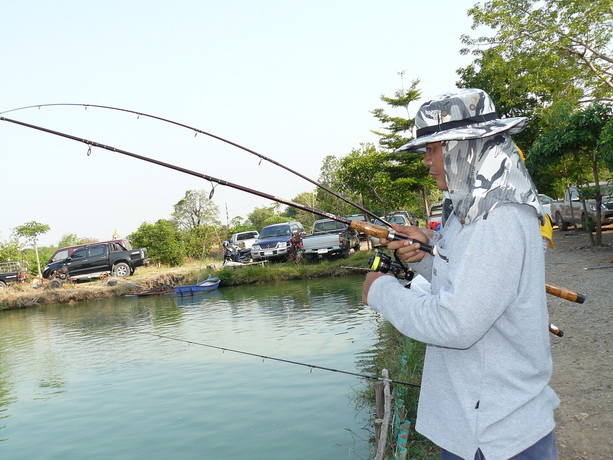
<point x="214" y="136"/>
<point x="297" y="363"/>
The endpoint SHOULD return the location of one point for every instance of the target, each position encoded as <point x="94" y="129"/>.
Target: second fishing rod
<point x="366" y="227"/>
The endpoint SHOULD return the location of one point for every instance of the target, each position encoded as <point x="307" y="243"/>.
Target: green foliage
<point x="407" y="180"/>
<point x="70" y="239"/>
<point x="203" y="240"/>
<point x="305" y="218"/>
<point x="262" y="216"/>
<point x="558" y="50"/>
<point x="31" y="230"/>
<point x="10" y="251"/>
<point x="397" y="126"/>
<point x="382" y="183"/>
<point x="329" y="176"/>
<point x="162" y="240"/>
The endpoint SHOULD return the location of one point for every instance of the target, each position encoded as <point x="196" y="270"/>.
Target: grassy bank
<point x="35" y="294"/>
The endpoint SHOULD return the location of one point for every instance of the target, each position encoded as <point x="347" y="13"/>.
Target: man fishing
<point x="485" y="389"/>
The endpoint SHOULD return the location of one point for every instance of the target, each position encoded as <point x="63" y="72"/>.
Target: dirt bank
<point x="583" y="376"/>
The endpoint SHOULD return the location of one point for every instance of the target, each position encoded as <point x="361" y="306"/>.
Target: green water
<point x="87" y="381"/>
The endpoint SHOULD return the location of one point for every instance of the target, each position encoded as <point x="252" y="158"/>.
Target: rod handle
<point x="382" y="232"/>
<point x="564" y="293"/>
<point x="555" y="330"/>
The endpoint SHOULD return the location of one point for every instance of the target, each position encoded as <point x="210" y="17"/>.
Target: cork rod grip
<point x="382" y="232"/>
<point x="564" y="293"/>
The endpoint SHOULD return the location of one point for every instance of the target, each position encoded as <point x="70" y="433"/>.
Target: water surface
<point x="89" y="381"/>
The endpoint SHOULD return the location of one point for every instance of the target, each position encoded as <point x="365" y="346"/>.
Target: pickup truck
<point x="274" y="241"/>
<point x="11" y="272"/>
<point x="570" y="210"/>
<point x="96" y="259"/>
<point x="330" y="238"/>
<point x="244" y="240"/>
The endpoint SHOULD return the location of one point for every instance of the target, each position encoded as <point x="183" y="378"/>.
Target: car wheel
<point x="2" y="285"/>
<point x="121" y="270"/>
<point x="562" y="226"/>
<point x="55" y="284"/>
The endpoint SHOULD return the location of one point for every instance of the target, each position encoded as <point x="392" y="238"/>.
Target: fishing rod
<point x="311" y="366"/>
<point x="214" y="136"/>
<point x="365" y="227"/>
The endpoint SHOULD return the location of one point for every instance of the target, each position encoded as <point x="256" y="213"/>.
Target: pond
<point x="159" y="377"/>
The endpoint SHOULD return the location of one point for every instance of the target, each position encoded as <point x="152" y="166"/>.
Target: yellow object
<point x="547" y="227"/>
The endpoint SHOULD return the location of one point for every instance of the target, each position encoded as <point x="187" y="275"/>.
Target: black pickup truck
<point x="97" y="259"/>
<point x="11" y="272"/>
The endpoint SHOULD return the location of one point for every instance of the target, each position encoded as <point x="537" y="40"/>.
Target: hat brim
<point x="476" y="131"/>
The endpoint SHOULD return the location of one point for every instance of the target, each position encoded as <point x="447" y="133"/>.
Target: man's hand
<point x="370" y="278"/>
<point x="406" y="251"/>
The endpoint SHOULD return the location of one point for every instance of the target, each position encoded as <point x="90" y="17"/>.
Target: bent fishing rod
<point x="214" y="136"/>
<point x="366" y="227"/>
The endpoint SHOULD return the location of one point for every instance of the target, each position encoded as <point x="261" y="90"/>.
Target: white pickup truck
<point x="570" y="210"/>
<point x="244" y="240"/>
<point x="330" y="238"/>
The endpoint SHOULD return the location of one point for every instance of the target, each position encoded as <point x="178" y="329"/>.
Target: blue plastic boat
<point x="193" y="289"/>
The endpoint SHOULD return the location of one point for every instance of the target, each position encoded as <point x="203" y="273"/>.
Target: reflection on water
<point x="82" y="380"/>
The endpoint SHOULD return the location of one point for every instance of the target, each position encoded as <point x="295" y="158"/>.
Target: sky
<point x="293" y="81"/>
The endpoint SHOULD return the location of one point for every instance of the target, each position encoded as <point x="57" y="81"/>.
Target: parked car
<point x="12" y="272"/>
<point x="402" y="217"/>
<point x="244" y="240"/>
<point x="63" y="253"/>
<point x="546" y="203"/>
<point x="397" y="217"/>
<point x="273" y="241"/>
<point x="362" y="218"/>
<point x="94" y="260"/>
<point x="570" y="209"/>
<point x="329" y="238"/>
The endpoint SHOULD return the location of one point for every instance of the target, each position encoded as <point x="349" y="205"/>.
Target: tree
<point x="262" y="216"/>
<point x="564" y="40"/>
<point x="396" y="126"/>
<point x="409" y="177"/>
<point x="9" y="251"/>
<point x="305" y="218"/>
<point x="162" y="240"/>
<point x="70" y="239"/>
<point x="329" y="177"/>
<point x="585" y="137"/>
<point x="31" y="231"/>
<point x="194" y="210"/>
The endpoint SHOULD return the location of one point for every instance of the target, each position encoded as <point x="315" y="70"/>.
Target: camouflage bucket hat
<point x="463" y="115"/>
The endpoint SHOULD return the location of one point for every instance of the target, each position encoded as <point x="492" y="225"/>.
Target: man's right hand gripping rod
<point x="382" y="232"/>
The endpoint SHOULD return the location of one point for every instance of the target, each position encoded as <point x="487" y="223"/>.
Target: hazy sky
<point x="295" y="81"/>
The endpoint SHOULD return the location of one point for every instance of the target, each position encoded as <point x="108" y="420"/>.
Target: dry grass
<point x="37" y="293"/>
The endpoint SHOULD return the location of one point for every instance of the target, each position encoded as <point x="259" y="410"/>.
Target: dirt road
<point x="583" y="358"/>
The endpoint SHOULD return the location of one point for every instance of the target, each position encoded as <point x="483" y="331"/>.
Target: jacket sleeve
<point x="482" y="280"/>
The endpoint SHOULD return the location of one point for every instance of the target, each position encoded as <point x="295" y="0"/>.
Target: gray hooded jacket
<point x="488" y="362"/>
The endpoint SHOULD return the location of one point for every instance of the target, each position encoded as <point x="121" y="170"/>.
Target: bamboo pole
<point x="384" y="425"/>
